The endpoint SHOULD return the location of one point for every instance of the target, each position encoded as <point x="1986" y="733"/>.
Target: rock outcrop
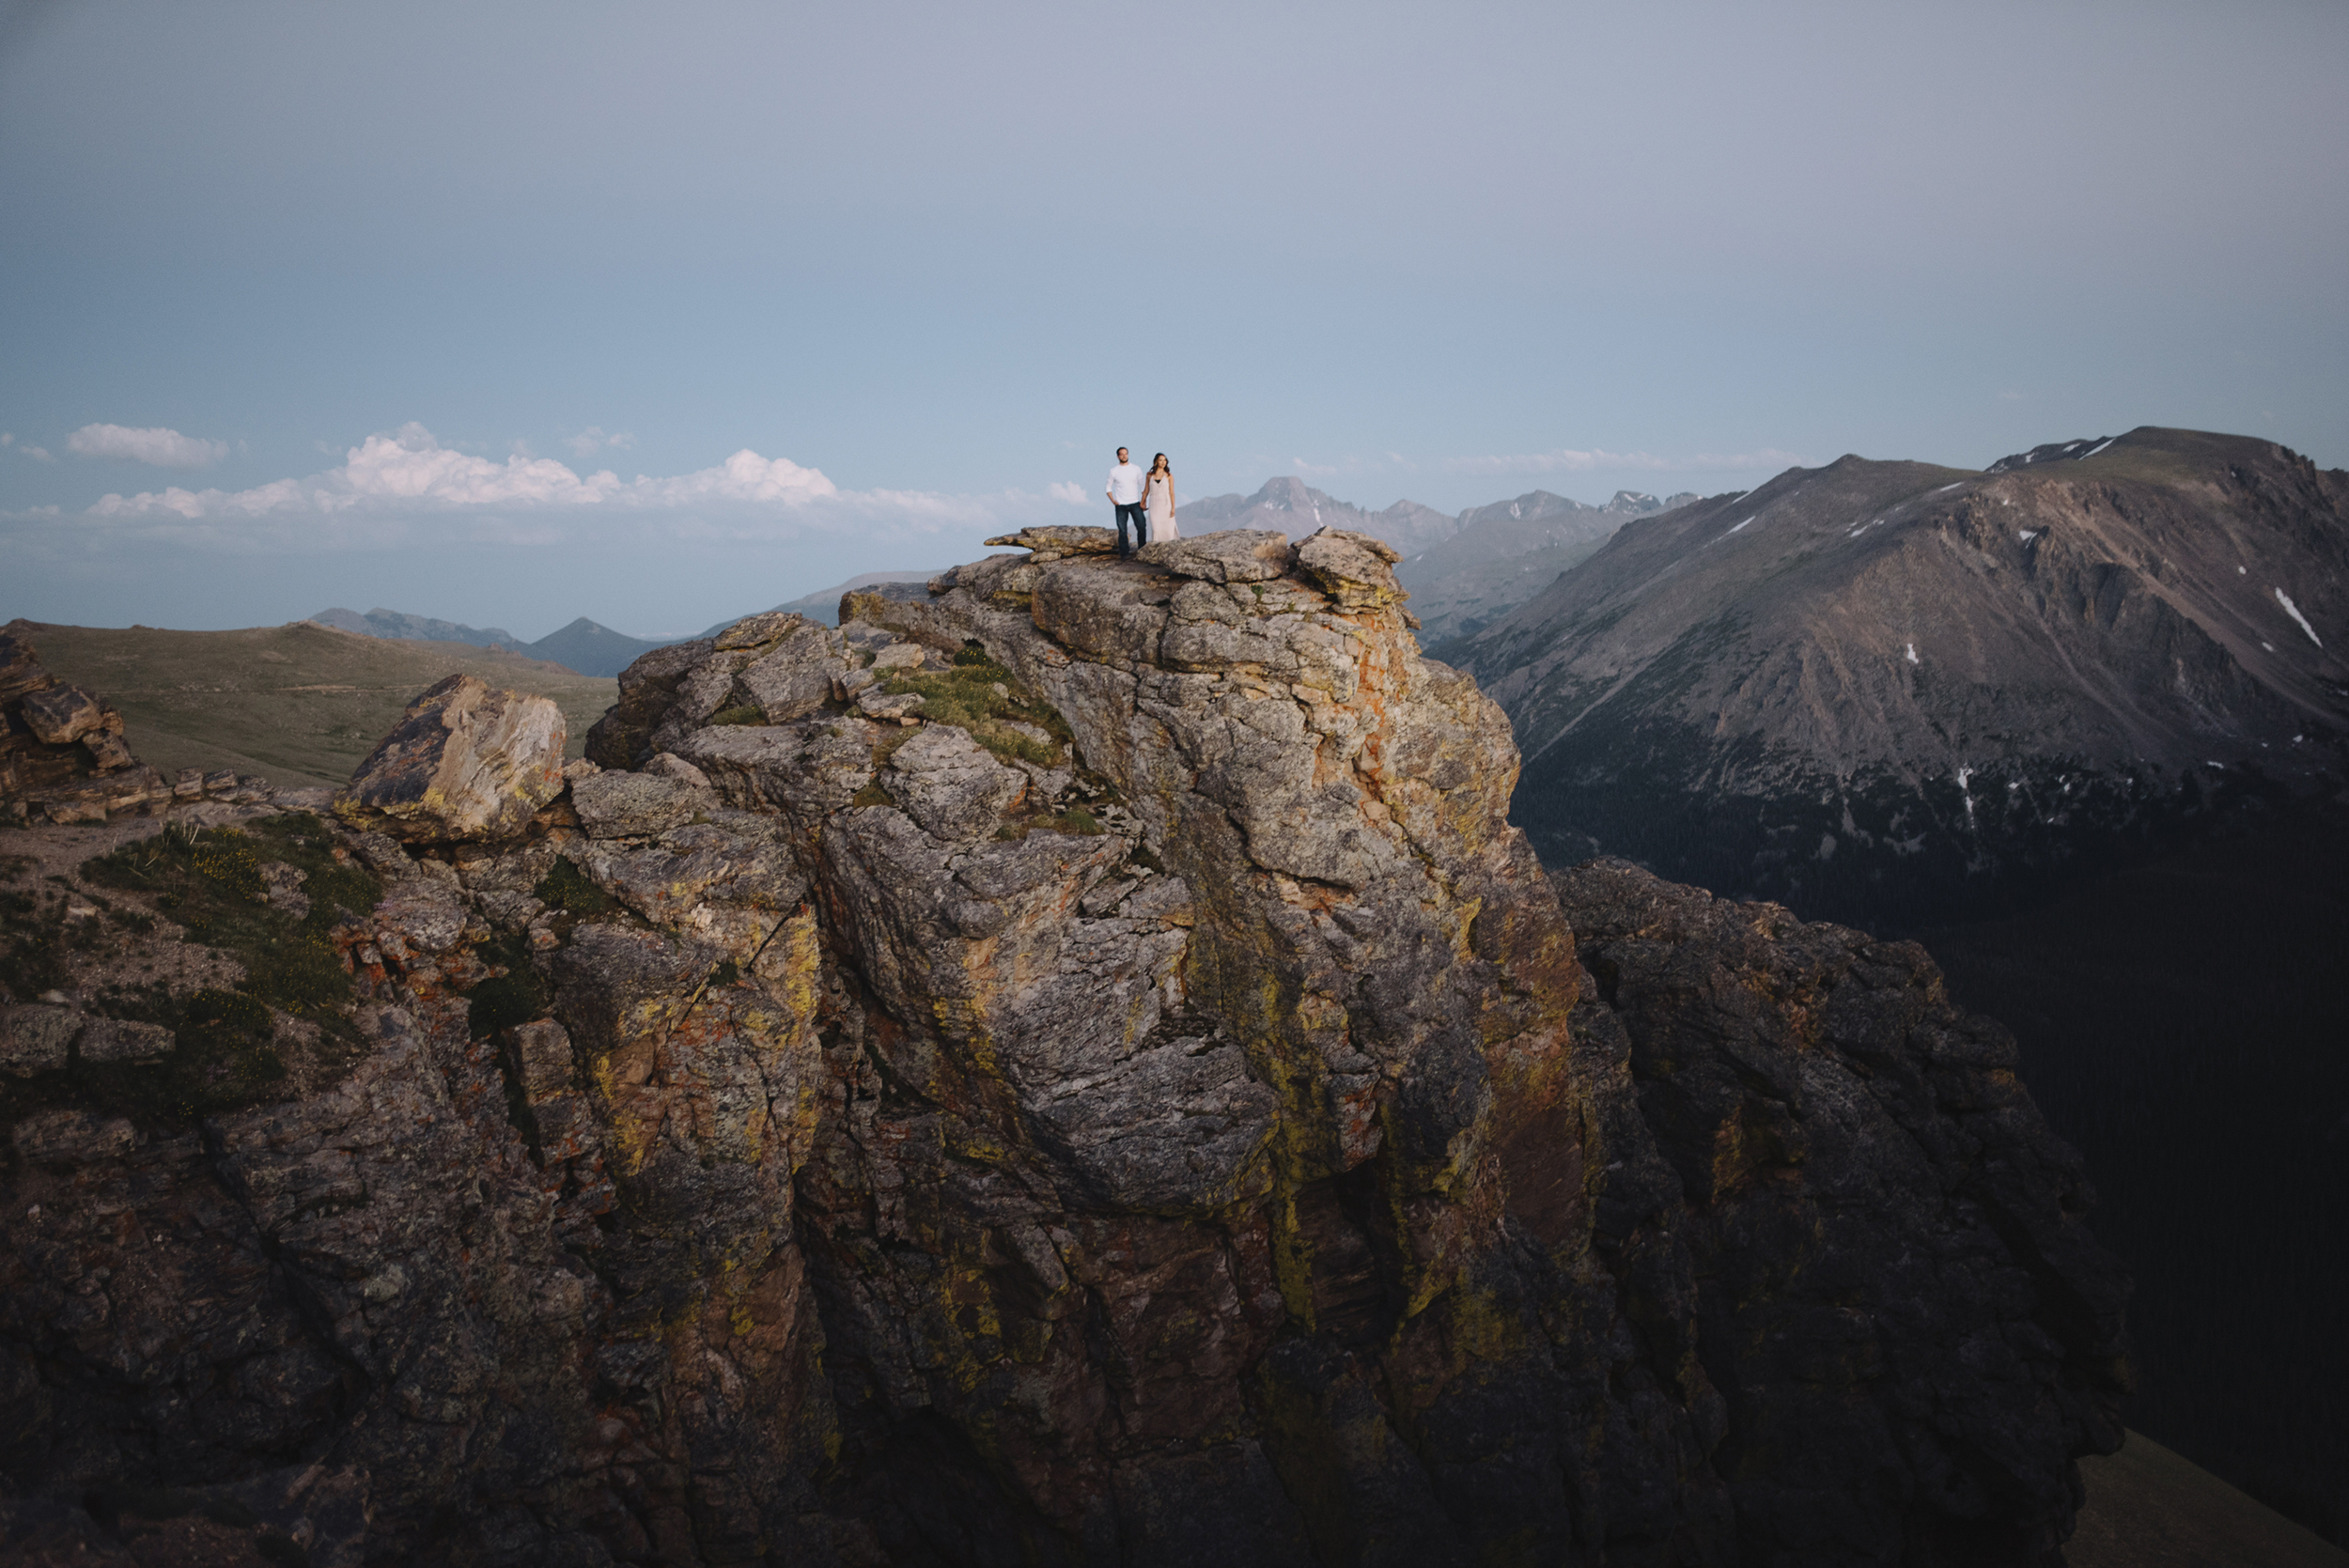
<point x="1076" y="1067"/>
<point x="62" y="756"/>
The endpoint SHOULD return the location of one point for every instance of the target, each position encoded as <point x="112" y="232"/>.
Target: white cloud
<point x="37" y="454"/>
<point x="593" y="439"/>
<point x="1570" y="461"/>
<point x="406" y="490"/>
<point x="156" y="447"/>
<point x="1070" y="491"/>
<point x="744" y="476"/>
<point x="1315" y="469"/>
<point x="410" y="470"/>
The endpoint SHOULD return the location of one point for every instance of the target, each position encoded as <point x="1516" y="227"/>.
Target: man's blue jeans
<point x="1142" y="527"/>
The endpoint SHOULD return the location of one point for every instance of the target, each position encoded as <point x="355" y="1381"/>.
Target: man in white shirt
<point x="1125" y="494"/>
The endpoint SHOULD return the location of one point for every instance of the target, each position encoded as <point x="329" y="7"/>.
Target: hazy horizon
<point x="508" y="317"/>
<point x="862" y="572"/>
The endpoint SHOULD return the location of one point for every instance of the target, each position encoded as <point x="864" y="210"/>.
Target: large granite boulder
<point x="1236" y="555"/>
<point x="947" y="784"/>
<point x="1354" y="569"/>
<point x="467" y="762"/>
<point x="793" y="674"/>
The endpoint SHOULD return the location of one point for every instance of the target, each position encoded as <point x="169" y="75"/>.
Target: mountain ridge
<point x="400" y="626"/>
<point x="589" y="648"/>
<point x="1286" y="505"/>
<point x="2077" y="721"/>
<point x="1508" y="550"/>
<point x="585" y="647"/>
<point x="2083" y="636"/>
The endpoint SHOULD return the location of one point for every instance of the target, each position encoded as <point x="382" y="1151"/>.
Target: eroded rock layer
<point x="1073" y="1068"/>
<point x="62" y="756"/>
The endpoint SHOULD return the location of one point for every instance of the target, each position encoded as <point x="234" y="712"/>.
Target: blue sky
<point x="384" y="291"/>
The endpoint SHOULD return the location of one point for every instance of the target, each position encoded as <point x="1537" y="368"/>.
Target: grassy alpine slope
<point x="298" y="703"/>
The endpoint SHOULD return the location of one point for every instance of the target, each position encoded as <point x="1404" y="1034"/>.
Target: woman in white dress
<point x="1158" y="499"/>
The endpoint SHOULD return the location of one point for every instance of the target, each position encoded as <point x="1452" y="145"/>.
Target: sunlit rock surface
<point x="466" y="762"/>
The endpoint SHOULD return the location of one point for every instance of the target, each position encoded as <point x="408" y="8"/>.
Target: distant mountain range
<point x="1877" y="687"/>
<point x="2080" y="723"/>
<point x="400" y="626"/>
<point x="1504" y="553"/>
<point x="1464" y="570"/>
<point x="1291" y="506"/>
<point x="583" y="647"/>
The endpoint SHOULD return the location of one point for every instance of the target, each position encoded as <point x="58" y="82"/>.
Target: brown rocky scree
<point x="1161" y="1115"/>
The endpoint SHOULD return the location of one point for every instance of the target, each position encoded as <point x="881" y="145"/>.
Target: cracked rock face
<point x="1165" y="1115"/>
<point x="62" y="714"/>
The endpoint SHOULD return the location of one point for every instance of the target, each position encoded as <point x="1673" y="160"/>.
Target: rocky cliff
<point x="1892" y="690"/>
<point x="1072" y="1067"/>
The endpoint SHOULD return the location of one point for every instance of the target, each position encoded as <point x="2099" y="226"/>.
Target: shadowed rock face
<point x="1162" y="1116"/>
<point x="1884" y="689"/>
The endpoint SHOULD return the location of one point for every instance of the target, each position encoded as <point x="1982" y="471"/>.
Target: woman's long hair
<point x="1159" y="463"/>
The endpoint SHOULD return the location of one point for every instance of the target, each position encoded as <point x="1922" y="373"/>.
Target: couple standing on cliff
<point x="1148" y="499"/>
